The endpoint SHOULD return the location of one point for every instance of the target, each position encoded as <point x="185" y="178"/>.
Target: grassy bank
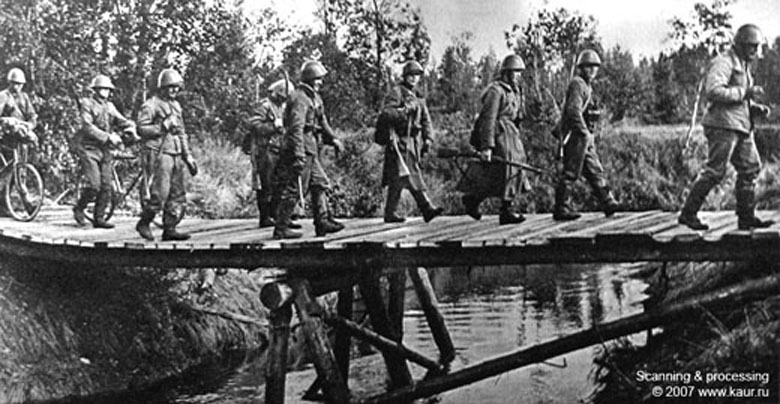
<point x="731" y="340"/>
<point x="75" y="331"/>
<point x="646" y="166"/>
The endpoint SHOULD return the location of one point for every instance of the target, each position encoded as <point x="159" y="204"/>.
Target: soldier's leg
<point x="104" y="193"/>
<point x="573" y="160"/>
<point x="593" y="172"/>
<point x="160" y="168"/>
<point x="90" y="177"/>
<point x="394" y="189"/>
<point x="265" y="188"/>
<point x="175" y="203"/>
<point x="748" y="164"/>
<point x="286" y="195"/>
<point x="418" y="189"/>
<point x="319" y="185"/>
<point x="720" y="144"/>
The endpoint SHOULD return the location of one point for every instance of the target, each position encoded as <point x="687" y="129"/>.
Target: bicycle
<point x="21" y="182"/>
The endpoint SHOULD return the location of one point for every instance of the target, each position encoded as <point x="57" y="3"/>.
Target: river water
<point x="491" y="311"/>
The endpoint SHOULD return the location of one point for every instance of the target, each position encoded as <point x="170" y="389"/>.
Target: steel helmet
<point x="512" y="62"/>
<point x="312" y="70"/>
<point x="102" y="81"/>
<point x="412" y="68"/>
<point x="16" y="75"/>
<point x="749" y="34"/>
<point x="279" y="87"/>
<point x="588" y="57"/>
<point x="169" y="77"/>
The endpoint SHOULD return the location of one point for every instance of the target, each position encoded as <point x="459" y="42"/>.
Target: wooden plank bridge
<point x="369" y="249"/>
<point x="447" y="241"/>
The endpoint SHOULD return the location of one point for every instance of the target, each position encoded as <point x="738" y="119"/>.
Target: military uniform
<point x="98" y="118"/>
<point x="579" y="152"/>
<point x="166" y="146"/>
<point x="306" y="127"/>
<point x="497" y="129"/>
<point x="19" y="106"/>
<point x="93" y="147"/>
<point x="265" y="140"/>
<point x="728" y="127"/>
<point x="408" y="123"/>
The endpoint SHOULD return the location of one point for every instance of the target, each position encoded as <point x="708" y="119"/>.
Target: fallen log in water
<point x="732" y="296"/>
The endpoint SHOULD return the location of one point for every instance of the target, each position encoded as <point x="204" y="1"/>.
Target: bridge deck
<point x="447" y="241"/>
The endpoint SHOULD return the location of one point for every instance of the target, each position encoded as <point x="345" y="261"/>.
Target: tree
<point x="549" y="44"/>
<point x="458" y="79"/>
<point x="620" y="84"/>
<point x="377" y="32"/>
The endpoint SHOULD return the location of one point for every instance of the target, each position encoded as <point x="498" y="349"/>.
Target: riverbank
<point x="743" y="341"/>
<point x="77" y="331"/>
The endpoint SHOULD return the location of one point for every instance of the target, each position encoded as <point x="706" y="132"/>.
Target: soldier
<point x="166" y="153"/>
<point x="409" y="137"/>
<point x="306" y="126"/>
<point x="728" y="127"/>
<point x="94" y="142"/>
<point x="16" y="103"/>
<point x="578" y="122"/>
<point x="263" y="142"/>
<point x="496" y="134"/>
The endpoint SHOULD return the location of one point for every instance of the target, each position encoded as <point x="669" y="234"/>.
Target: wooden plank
<point x="683" y="233"/>
<point x="619" y="220"/>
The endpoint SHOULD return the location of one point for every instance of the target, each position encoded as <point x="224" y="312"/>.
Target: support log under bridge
<point x="369" y="249"/>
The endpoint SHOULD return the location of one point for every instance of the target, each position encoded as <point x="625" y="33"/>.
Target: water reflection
<point x="491" y="311"/>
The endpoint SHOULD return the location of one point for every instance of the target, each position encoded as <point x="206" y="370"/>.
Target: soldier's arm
<point x="88" y="127"/>
<point x="119" y="120"/>
<point x="394" y="109"/>
<point x="574" y="110"/>
<point x="426" y="123"/>
<point x="328" y="137"/>
<point x="30" y="116"/>
<point x="147" y="127"/>
<point x="487" y="119"/>
<point x="717" y="85"/>
<point x="262" y="121"/>
<point x="295" y="127"/>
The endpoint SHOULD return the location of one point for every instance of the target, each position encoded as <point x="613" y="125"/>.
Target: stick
<point x="451" y="153"/>
<point x="732" y="296"/>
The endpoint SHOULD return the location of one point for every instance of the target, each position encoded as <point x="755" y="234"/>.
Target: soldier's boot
<point x="282" y="229"/>
<point x="688" y="215"/>
<point x="101" y="203"/>
<point x="264" y="208"/>
<point x="508" y="215"/>
<point x="608" y="203"/>
<point x="87" y="195"/>
<point x="391" y="205"/>
<point x="471" y="203"/>
<point x="323" y="222"/>
<point x="563" y="211"/>
<point x="142" y="227"/>
<point x="429" y="210"/>
<point x="170" y="221"/>
<point x="746" y="214"/>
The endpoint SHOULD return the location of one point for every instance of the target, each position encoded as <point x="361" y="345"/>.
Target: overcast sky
<point x="638" y="25"/>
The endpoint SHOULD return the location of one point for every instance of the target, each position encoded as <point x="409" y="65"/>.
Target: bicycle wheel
<point x="24" y="193"/>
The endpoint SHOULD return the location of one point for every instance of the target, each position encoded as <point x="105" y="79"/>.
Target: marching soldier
<point x="166" y="155"/>
<point x="409" y="136"/>
<point x="578" y="122"/>
<point x="264" y="140"/>
<point x="306" y="127"/>
<point x="16" y="103"/>
<point x="728" y="127"/>
<point x="94" y="141"/>
<point x="497" y="134"/>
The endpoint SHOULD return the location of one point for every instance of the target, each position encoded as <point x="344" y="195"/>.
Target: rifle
<point x="472" y="154"/>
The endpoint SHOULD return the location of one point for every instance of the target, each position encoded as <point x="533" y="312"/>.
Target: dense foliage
<point x="228" y="55"/>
